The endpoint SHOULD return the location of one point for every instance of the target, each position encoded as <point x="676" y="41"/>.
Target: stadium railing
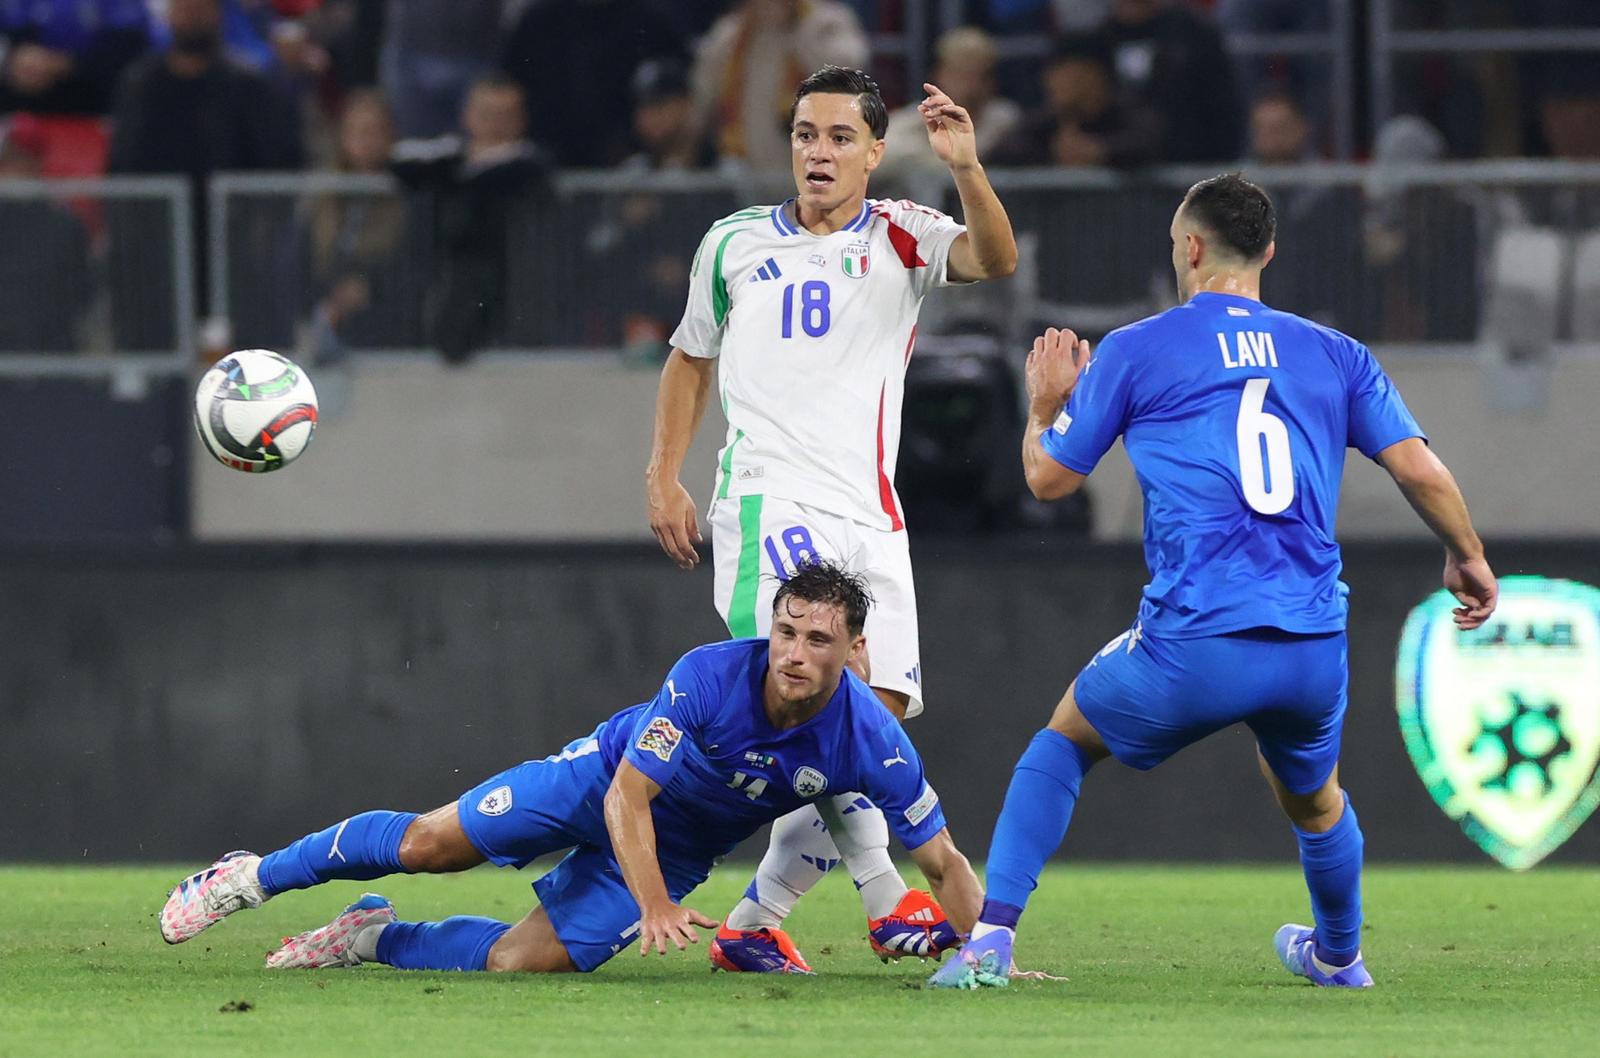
<point x="1452" y="258"/>
<point x="97" y="277"/>
<point x="1389" y="42"/>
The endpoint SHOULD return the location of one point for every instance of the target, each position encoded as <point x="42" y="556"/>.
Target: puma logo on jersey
<point x="896" y="759"/>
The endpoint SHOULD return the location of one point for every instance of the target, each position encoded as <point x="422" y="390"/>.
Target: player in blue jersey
<point x="1236" y="418"/>
<point x="741" y="733"/>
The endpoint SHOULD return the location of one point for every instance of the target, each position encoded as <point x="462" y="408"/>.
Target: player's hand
<point x="950" y="130"/>
<point x="672" y="519"/>
<point x="671" y="922"/>
<point x="1058" y="358"/>
<point x="1472" y="583"/>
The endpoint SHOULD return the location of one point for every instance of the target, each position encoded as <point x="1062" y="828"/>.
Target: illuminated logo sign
<point x="1503" y="722"/>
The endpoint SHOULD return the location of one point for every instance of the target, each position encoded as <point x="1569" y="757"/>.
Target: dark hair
<point x="1084" y="47"/>
<point x="819" y="580"/>
<point x="839" y="80"/>
<point x="1236" y="211"/>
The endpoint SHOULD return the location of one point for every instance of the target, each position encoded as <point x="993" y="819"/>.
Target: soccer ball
<point x="255" y="411"/>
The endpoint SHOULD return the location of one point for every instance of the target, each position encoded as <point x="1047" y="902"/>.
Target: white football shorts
<point x="758" y="540"/>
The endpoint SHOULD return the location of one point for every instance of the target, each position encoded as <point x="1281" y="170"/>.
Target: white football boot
<point x="203" y="899"/>
<point x="334" y="944"/>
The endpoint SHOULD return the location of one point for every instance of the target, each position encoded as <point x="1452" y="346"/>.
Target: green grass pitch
<point x="1161" y="960"/>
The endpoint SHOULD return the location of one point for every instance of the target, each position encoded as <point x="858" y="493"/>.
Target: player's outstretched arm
<point x="633" y="841"/>
<point x="955" y="885"/>
<point x="1431" y="489"/>
<point x="680" y="405"/>
<point x="1057" y="359"/>
<point x="988" y="248"/>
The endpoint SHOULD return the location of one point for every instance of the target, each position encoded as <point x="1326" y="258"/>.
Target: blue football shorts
<point x="1150" y="697"/>
<point x="544" y="806"/>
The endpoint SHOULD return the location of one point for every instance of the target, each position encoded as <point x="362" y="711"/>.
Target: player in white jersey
<point x="811" y="308"/>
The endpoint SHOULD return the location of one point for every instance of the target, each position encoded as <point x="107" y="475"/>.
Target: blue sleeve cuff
<point x="1401" y="435"/>
<point x="659" y="771"/>
<point x="925" y="831"/>
<point x="1066" y="459"/>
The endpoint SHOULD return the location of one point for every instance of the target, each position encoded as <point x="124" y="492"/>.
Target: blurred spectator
<point x="1320" y="224"/>
<point x="433" y="51"/>
<point x="1447" y="90"/>
<point x="44" y="264"/>
<point x="1084" y="120"/>
<point x="351" y="32"/>
<point x="636" y="251"/>
<point x="1171" y="59"/>
<point x="1305" y="76"/>
<point x="965" y="69"/>
<point x="664" y="131"/>
<point x="1279" y="131"/>
<point x="602" y="44"/>
<point x="1420" y="243"/>
<point x="64" y="56"/>
<point x="360" y="273"/>
<point x="190" y="110"/>
<point x="475" y="184"/>
<point x="750" y="64"/>
<point x="1566" y="86"/>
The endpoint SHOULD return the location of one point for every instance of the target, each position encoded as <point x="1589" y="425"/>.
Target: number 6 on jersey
<point x="1255" y="426"/>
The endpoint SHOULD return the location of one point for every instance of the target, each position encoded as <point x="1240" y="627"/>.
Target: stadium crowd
<point x="475" y="105"/>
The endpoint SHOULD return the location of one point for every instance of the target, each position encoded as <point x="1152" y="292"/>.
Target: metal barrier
<point x="1424" y="254"/>
<point x="99" y="276"/>
<point x="1455" y="255"/>
<point x="1387" y="42"/>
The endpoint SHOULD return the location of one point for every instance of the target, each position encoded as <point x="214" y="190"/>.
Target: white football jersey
<point x="814" y="333"/>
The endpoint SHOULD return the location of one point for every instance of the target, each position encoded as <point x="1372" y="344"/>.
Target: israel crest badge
<point x="1503" y="722"/>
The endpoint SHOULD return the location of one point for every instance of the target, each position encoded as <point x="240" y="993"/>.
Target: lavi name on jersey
<point x="1250" y="349"/>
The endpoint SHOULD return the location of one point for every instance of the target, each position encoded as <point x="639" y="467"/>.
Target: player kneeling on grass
<point x="741" y="733"/>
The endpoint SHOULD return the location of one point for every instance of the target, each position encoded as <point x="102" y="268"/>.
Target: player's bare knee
<point x="417" y="850"/>
<point x="511" y="956"/>
<point x="1069" y="720"/>
<point x="1314" y="812"/>
<point x="508" y="958"/>
<point x="431" y="844"/>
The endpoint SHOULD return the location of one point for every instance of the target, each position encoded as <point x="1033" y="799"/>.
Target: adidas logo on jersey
<point x="768" y="270"/>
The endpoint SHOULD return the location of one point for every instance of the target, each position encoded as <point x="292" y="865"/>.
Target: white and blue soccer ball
<point x="255" y="411"/>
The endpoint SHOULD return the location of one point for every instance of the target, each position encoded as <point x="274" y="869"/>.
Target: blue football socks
<point x="1332" y="863"/>
<point x="360" y="848"/>
<point x="1038" y="807"/>
<point x="459" y="943"/>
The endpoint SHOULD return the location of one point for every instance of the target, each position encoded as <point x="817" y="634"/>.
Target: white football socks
<point x="984" y="928"/>
<point x="861" y="834"/>
<point x="803" y="847"/>
<point x="800" y="852"/>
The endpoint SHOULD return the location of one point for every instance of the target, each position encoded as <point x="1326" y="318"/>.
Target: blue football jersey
<point x="725" y="770"/>
<point x="1236" y="418"/>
